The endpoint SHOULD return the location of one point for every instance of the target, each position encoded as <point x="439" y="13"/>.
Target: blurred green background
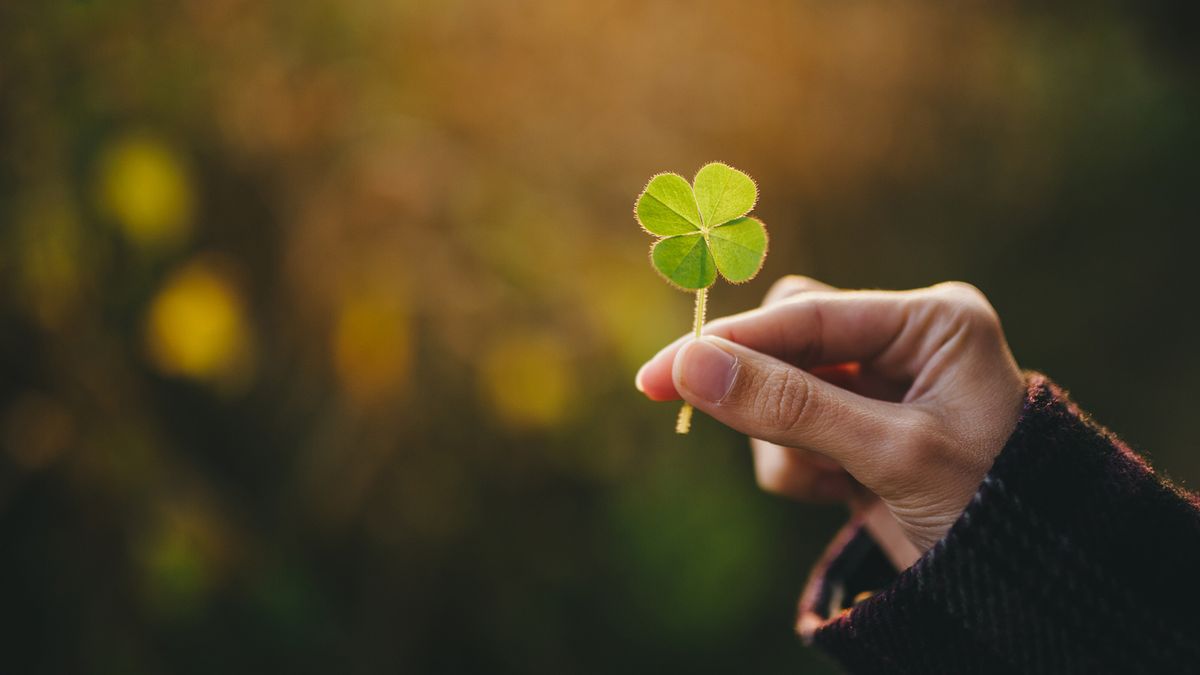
<point x="319" y="319"/>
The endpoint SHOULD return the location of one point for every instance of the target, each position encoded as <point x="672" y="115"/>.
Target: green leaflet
<point x="667" y="206"/>
<point x="685" y="261"/>
<point x="704" y="226"/>
<point x="723" y="193"/>
<point x="739" y="248"/>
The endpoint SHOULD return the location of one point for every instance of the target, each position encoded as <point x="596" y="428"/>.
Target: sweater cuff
<point x="1058" y="541"/>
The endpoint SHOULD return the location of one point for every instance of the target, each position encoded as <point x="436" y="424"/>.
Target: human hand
<point x="910" y="393"/>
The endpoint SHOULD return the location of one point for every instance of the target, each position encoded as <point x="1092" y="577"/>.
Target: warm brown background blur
<point x="318" y="320"/>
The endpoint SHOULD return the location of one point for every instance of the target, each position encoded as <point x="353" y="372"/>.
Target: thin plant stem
<point x="683" y="423"/>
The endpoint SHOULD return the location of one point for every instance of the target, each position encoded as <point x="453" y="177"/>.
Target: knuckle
<point x="784" y="399"/>
<point x="791" y="281"/>
<point x="789" y="285"/>
<point x="966" y="304"/>
<point x="960" y="291"/>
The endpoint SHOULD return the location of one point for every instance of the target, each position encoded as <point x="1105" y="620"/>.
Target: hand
<point x="910" y="393"/>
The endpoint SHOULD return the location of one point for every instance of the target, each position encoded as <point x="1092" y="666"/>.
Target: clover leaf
<point x="704" y="231"/>
<point x="704" y="226"/>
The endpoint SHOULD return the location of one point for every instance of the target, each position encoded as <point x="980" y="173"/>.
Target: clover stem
<point x="683" y="423"/>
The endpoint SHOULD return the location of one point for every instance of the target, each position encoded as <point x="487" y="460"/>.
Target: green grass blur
<point x="319" y="319"/>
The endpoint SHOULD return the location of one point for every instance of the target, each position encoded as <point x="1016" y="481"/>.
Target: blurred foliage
<point x="318" y="320"/>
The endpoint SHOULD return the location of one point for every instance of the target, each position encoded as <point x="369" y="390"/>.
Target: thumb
<point x="766" y="398"/>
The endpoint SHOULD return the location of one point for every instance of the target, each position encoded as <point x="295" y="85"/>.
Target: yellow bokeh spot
<point x="197" y="326"/>
<point x="527" y="380"/>
<point x="371" y="345"/>
<point x="145" y="186"/>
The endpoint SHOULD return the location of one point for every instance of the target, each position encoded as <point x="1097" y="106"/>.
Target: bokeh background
<point x="319" y="318"/>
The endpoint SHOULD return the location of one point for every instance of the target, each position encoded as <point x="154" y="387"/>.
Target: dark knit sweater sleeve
<point x="1072" y="557"/>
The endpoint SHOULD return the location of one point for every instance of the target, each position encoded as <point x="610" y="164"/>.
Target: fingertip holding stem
<point x="704" y="371"/>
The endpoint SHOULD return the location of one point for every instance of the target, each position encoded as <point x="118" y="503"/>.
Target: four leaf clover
<point x="703" y="227"/>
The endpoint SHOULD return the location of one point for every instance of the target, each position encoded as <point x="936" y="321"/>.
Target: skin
<point x="895" y="402"/>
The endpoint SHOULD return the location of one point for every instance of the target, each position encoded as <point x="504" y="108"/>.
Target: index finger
<point x="806" y="330"/>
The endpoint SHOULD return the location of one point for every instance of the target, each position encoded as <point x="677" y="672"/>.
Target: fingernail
<point x="637" y="380"/>
<point x="707" y="370"/>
